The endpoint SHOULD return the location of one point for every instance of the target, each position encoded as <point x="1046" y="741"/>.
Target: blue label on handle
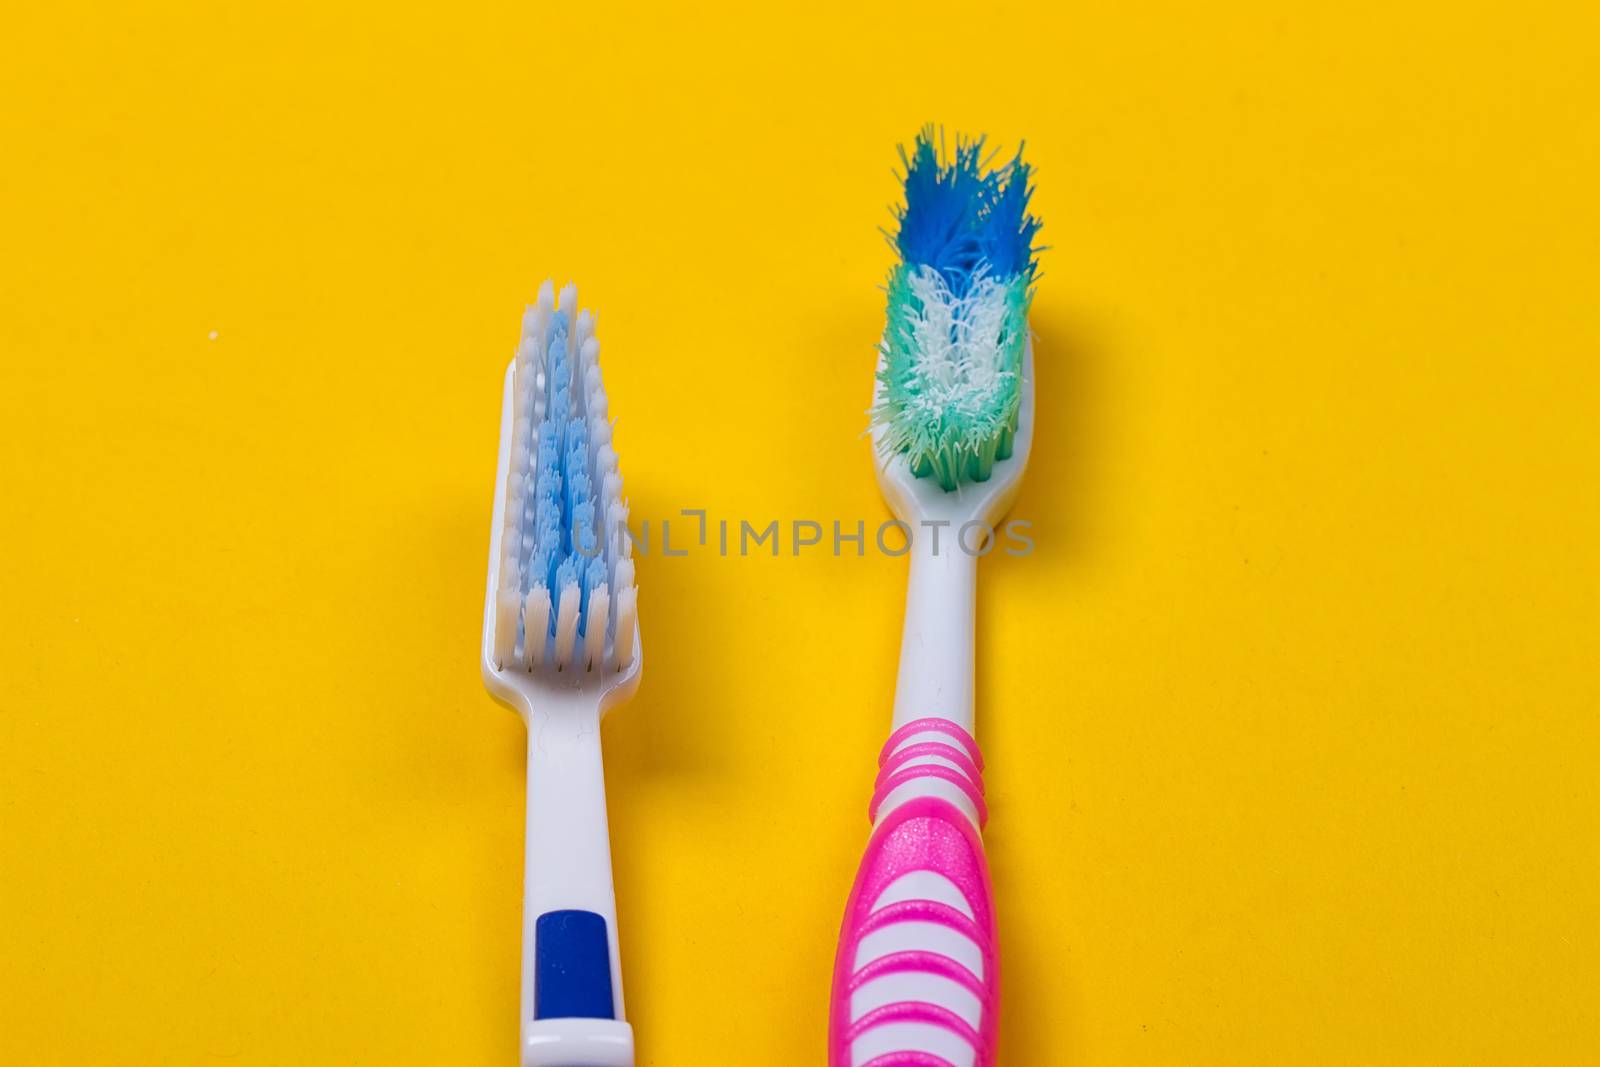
<point x="571" y="967"/>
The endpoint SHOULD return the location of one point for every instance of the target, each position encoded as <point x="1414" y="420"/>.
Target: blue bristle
<point x="1006" y="233"/>
<point x="562" y="543"/>
<point x="594" y="576"/>
<point x="575" y="465"/>
<point x="962" y="220"/>
<point x="560" y="373"/>
<point x="549" y="454"/>
<point x="566" y="573"/>
<point x="549" y="539"/>
<point x="547" y="518"/>
<point x="584" y="540"/>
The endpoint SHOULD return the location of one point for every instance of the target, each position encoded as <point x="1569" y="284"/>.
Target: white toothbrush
<point x="561" y="646"/>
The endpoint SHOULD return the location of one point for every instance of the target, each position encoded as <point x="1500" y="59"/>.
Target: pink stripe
<point x="941" y="749"/>
<point x="919" y="963"/>
<point x="908" y="1059"/>
<point x="911" y="774"/>
<point x="925" y="911"/>
<point x="933" y="725"/>
<point x="926" y="833"/>
<point x="915" y="1011"/>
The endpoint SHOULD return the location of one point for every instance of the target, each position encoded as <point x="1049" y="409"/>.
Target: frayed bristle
<point x="562" y="584"/>
<point x="951" y="356"/>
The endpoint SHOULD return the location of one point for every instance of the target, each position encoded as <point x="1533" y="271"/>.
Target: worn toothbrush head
<point x="953" y="363"/>
<point x="561" y="610"/>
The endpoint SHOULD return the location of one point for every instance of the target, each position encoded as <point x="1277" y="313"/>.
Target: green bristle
<point x="1008" y="438"/>
<point x="951" y="375"/>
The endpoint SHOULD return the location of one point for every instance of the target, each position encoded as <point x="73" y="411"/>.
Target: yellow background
<point x="1291" y="718"/>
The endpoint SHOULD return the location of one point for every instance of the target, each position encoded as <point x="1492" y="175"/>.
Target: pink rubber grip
<point x="926" y="833"/>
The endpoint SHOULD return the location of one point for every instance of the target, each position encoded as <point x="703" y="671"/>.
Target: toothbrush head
<point x="953" y="365"/>
<point x="561" y="610"/>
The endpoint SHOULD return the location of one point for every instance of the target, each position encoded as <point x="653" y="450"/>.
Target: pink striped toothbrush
<point x="915" y="980"/>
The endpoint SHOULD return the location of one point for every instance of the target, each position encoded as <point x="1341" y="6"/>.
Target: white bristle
<point x="519" y="412"/>
<point x="567" y="624"/>
<point x="511" y="532"/>
<point x="526" y="406"/>
<point x="616" y="533"/>
<point x="568" y="300"/>
<point x="594" y="628"/>
<point x="601" y="522"/>
<point x="507" y="601"/>
<point x="532" y="327"/>
<point x="627" y="603"/>
<point x="535" y="626"/>
<point x="535" y="329"/>
<point x="617" y="515"/>
<point x="505" y="627"/>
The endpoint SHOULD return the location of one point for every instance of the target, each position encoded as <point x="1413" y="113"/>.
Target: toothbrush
<point x="561" y="646"/>
<point x="915" y="981"/>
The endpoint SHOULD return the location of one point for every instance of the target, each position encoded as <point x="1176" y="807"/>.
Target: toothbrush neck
<point x="936" y="655"/>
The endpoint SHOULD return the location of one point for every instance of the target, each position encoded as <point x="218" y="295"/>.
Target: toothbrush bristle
<point x="566" y="593"/>
<point x="949" y="383"/>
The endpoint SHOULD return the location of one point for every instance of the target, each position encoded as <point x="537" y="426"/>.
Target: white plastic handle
<point x="576" y="1019"/>
<point x="936" y="642"/>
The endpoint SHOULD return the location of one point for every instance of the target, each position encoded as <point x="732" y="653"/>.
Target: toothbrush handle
<point x="915" y="981"/>
<point x="571" y="969"/>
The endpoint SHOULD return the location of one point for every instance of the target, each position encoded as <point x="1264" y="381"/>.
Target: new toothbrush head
<point x="915" y="978"/>
<point x="952" y="410"/>
<point x="561" y="645"/>
<point x="561" y="609"/>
